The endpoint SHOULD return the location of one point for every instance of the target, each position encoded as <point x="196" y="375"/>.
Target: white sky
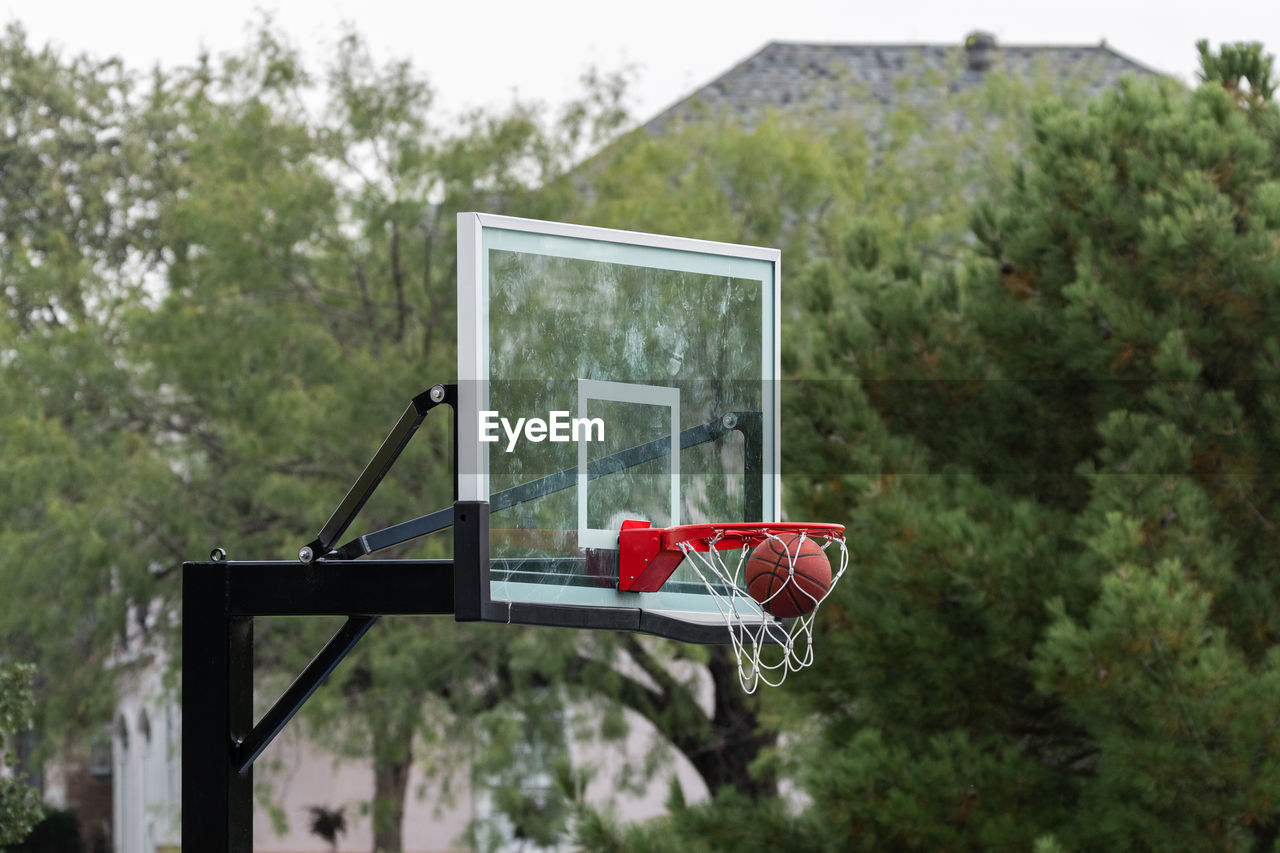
<point x="481" y="53"/>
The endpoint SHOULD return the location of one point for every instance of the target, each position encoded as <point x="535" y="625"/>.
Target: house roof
<point x="836" y="78"/>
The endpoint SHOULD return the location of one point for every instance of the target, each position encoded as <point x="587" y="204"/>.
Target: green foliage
<point x="1181" y="721"/>
<point x="78" y="468"/>
<point x="730" y="821"/>
<point x="198" y="279"/>
<point x="20" y="808"/>
<point x="923" y="667"/>
<point x="57" y="832"/>
<point x="1237" y="63"/>
<point x="1059" y="625"/>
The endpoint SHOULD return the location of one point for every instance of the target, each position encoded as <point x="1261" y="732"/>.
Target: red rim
<point x="752" y="533"/>
<point x="648" y="555"/>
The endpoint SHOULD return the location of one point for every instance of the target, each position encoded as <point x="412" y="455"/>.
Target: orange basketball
<point x="782" y="590"/>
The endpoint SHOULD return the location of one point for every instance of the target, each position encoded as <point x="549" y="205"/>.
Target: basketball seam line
<point x="779" y="564"/>
<point x="790" y="568"/>
<point x="787" y="587"/>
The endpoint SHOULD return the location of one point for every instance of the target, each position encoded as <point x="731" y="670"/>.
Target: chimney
<point x="980" y="49"/>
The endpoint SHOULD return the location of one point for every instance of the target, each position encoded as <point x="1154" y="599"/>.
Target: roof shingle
<point x="853" y="78"/>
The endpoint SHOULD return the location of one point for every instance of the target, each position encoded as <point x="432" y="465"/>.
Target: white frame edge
<point x="640" y="395"/>
<point x="473" y="369"/>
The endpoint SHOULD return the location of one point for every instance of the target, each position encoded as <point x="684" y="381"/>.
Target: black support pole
<point x="471" y="559"/>
<point x="217" y="705"/>
<point x="219" y="602"/>
<point x="240" y="722"/>
<point x="750" y="424"/>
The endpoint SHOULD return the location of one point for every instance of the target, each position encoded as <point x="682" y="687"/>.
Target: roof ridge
<point x="692" y="97"/>
<point x="781" y="71"/>
<point x="956" y="45"/>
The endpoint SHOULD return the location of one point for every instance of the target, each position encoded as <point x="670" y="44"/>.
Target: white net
<point x="767" y="648"/>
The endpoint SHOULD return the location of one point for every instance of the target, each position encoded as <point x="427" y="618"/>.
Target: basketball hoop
<point x="766" y="648"/>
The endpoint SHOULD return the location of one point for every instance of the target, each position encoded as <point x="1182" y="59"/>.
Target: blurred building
<point x="815" y="82"/>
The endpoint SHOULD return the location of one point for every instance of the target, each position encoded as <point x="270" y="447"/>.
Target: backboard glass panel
<point x="608" y="375"/>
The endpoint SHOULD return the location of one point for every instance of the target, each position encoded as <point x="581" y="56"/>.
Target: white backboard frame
<point x="613" y="246"/>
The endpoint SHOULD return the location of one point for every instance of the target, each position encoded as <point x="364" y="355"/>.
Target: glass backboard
<point x="603" y="376"/>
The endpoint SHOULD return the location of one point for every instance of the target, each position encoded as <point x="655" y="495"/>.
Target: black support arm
<point x="379" y="465"/>
<point x="746" y="423"/>
<point x="247" y="750"/>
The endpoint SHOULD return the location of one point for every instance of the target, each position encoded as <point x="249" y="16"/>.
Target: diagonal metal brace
<point x="245" y="752"/>
<point x="748" y="423"/>
<point x="380" y="464"/>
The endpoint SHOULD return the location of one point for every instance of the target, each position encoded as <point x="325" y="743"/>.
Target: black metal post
<point x="751" y="425"/>
<point x="219" y="603"/>
<point x="217" y="707"/>
<point x="471" y="559"/>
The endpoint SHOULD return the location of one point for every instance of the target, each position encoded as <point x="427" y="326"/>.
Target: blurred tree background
<point x="19" y="802"/>
<point x="1030" y="364"/>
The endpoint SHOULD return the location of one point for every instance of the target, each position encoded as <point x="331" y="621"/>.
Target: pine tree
<point x="1058" y="461"/>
